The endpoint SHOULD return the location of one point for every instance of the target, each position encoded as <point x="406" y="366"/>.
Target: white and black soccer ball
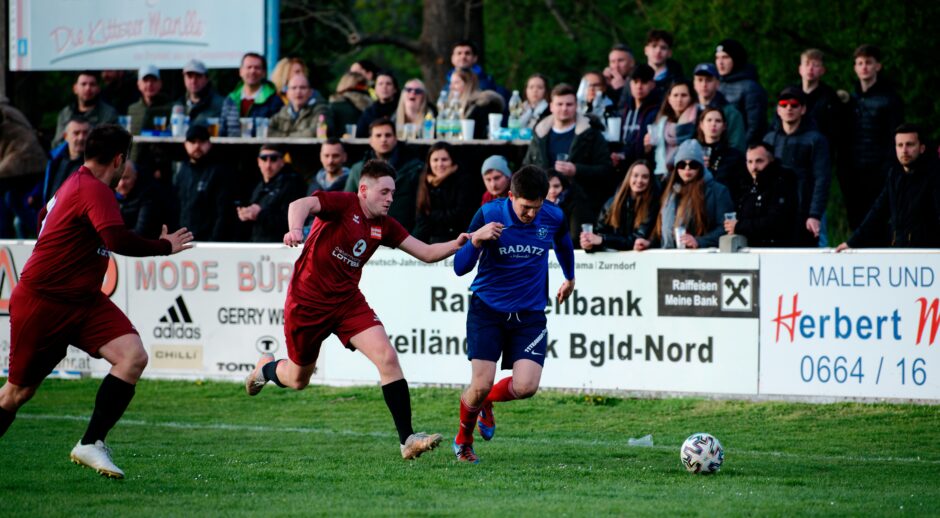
<point x="702" y="453"/>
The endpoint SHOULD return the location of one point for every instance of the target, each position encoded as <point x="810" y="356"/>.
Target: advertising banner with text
<point x="128" y="34"/>
<point x="855" y="325"/>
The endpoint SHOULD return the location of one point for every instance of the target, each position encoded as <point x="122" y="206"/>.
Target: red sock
<point x="468" y="421"/>
<point x="502" y="391"/>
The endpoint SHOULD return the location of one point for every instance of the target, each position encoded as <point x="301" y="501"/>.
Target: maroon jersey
<point x="69" y="260"/>
<point x="340" y="243"/>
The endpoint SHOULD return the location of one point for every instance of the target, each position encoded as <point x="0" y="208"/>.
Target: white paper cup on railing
<point x="495" y="121"/>
<point x="613" y="129"/>
<point x="466" y="128"/>
<point x="261" y="127"/>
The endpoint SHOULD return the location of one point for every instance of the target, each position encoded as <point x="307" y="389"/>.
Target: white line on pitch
<point x="529" y="440"/>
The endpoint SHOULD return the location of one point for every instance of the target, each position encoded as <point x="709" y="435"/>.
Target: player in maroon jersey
<point x="58" y="300"/>
<point x="324" y="296"/>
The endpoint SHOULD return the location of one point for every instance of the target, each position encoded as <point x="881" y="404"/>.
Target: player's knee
<point x="138" y="359"/>
<point x="298" y="383"/>
<point x="13" y="397"/>
<point x="478" y="393"/>
<point x="524" y="390"/>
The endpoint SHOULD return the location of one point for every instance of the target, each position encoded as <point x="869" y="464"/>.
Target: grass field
<point x="206" y="449"/>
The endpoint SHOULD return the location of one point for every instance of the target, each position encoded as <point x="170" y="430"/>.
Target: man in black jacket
<point x="804" y="150"/>
<point x="909" y="204"/>
<point x="279" y="186"/>
<point x="201" y="102"/>
<point x="766" y="211"/>
<point x="875" y="111"/>
<point x="203" y="186"/>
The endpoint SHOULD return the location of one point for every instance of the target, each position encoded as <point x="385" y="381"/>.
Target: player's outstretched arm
<point x="297" y="213"/>
<point x="180" y="240"/>
<point x="432" y="253"/>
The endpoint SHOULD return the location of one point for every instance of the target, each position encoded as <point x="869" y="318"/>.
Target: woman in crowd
<point x="386" y="101"/>
<point x="474" y="103"/>
<point x="627" y="219"/>
<point x="413" y="106"/>
<point x="446" y="197"/>
<point x="675" y="123"/>
<point x="348" y="103"/>
<point x="693" y="203"/>
<point x="726" y="163"/>
<point x="535" y="104"/>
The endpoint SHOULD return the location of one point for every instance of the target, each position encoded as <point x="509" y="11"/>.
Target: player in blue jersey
<point x="511" y="240"/>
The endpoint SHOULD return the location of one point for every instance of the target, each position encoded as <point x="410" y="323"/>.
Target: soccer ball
<point x="702" y="453"/>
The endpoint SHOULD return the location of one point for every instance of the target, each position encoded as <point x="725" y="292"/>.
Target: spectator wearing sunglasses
<point x="804" y="150"/>
<point x="693" y="204"/>
<point x="266" y="210"/>
<point x="413" y="106"/>
<point x="386" y="102"/>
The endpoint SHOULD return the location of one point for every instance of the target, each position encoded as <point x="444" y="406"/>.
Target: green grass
<point x="206" y="449"/>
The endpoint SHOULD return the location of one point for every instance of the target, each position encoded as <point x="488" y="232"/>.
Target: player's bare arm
<point x="297" y="213"/>
<point x="432" y="253"/>
<point x="565" y="291"/>
<point x="180" y="240"/>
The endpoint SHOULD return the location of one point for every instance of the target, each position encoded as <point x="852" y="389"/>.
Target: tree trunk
<point x="445" y="23"/>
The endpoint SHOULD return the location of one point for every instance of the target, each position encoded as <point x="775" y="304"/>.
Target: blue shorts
<point x="514" y="336"/>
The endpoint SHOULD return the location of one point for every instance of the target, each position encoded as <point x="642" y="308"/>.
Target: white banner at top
<point x="128" y="34"/>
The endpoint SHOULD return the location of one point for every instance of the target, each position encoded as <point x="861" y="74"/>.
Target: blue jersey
<point x="513" y="271"/>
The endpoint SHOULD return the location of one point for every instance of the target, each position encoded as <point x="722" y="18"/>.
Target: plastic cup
<point x="247" y="126"/>
<point x="731" y="216"/>
<point x="351" y="130"/>
<point x="125" y="122"/>
<point x="495" y="121"/>
<point x="587" y="227"/>
<point x="613" y="129"/>
<point x="261" y="127"/>
<point x="680" y="233"/>
<point x="561" y="157"/>
<point x="467" y="127"/>
<point x="159" y="123"/>
<point x="213" y="126"/>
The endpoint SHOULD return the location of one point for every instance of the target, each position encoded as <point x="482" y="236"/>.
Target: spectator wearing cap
<point x="496" y="176"/>
<point x="299" y="117"/>
<point x="266" y="210"/>
<point x="805" y="151"/>
<point x="201" y="102"/>
<point x="706" y="81"/>
<point x="740" y="87"/>
<point x="87" y="105"/>
<point x="254" y="96"/>
<point x="638" y="115"/>
<point x="152" y="102"/>
<point x="203" y="187"/>
<point x="691" y="200"/>
<point x="567" y="142"/>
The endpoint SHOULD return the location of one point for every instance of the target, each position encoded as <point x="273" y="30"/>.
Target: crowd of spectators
<point x="638" y="155"/>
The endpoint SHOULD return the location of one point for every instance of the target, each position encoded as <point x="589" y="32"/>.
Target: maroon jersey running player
<point x="324" y="296"/>
<point x="58" y="300"/>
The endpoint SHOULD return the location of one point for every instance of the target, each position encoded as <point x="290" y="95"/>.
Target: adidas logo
<point x="173" y="316"/>
<point x="177" y="323"/>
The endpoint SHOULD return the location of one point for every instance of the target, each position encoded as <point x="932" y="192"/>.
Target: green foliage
<point x="206" y="449"/>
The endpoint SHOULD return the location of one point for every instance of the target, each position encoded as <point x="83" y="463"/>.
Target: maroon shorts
<point x="305" y="328"/>
<point x="41" y="329"/>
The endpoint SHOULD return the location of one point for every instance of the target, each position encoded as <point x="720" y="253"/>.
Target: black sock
<point x="399" y="404"/>
<point x="6" y="419"/>
<point x="269" y="371"/>
<point x="114" y="395"/>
